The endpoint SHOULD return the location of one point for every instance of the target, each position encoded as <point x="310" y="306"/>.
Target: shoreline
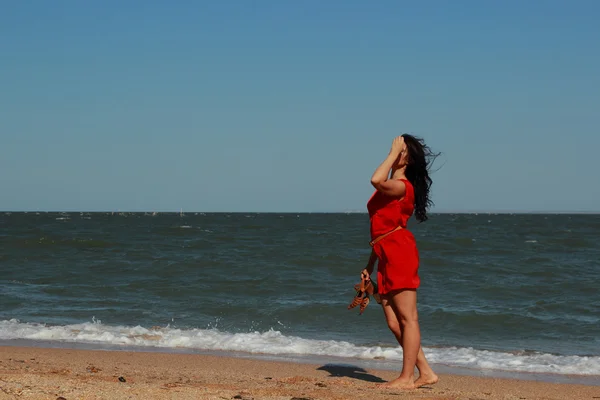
<point x="48" y="373"/>
<point x="374" y="364"/>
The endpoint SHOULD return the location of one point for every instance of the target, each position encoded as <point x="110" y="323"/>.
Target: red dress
<point x="398" y="256"/>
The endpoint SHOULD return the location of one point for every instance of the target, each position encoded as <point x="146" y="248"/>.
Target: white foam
<point x="274" y="342"/>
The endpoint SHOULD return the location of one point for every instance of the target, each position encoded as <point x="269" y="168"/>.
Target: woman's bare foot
<point x="426" y="379"/>
<point x="400" y="383"/>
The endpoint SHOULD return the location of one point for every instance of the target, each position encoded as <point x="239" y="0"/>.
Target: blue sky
<point x="290" y="106"/>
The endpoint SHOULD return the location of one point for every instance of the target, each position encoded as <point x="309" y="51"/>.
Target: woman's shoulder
<point x="409" y="186"/>
<point x="406" y="182"/>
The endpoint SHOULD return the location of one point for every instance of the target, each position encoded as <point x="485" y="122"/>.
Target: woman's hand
<point x="365" y="274"/>
<point x="397" y="146"/>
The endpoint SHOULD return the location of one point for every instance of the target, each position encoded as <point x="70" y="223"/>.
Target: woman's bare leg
<point x="404" y="305"/>
<point x="426" y="374"/>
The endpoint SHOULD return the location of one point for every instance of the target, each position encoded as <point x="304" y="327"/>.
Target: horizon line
<point x="503" y="212"/>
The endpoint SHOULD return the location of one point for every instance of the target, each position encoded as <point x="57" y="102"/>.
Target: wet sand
<point x="41" y="373"/>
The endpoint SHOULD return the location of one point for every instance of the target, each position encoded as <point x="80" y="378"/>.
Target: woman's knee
<point x="408" y="317"/>
<point x="394" y="327"/>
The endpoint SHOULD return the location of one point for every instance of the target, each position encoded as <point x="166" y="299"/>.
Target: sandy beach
<point x="41" y="373"/>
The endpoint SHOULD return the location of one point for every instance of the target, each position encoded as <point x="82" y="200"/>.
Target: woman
<point x="402" y="186"/>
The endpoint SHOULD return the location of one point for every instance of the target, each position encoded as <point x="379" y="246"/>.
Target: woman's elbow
<point x="376" y="182"/>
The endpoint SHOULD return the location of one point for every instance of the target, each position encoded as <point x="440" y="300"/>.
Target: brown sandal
<point x="363" y="289"/>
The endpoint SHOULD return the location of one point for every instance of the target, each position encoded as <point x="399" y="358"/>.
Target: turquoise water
<point x="499" y="292"/>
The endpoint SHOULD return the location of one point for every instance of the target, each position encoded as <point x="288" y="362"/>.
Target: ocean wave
<point x="44" y="242"/>
<point x="275" y="343"/>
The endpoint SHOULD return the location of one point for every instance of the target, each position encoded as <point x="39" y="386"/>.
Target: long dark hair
<point x="420" y="158"/>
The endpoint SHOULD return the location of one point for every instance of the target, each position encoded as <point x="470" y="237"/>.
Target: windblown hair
<point x="420" y="159"/>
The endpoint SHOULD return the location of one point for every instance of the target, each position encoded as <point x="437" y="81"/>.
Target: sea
<point x="502" y="294"/>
